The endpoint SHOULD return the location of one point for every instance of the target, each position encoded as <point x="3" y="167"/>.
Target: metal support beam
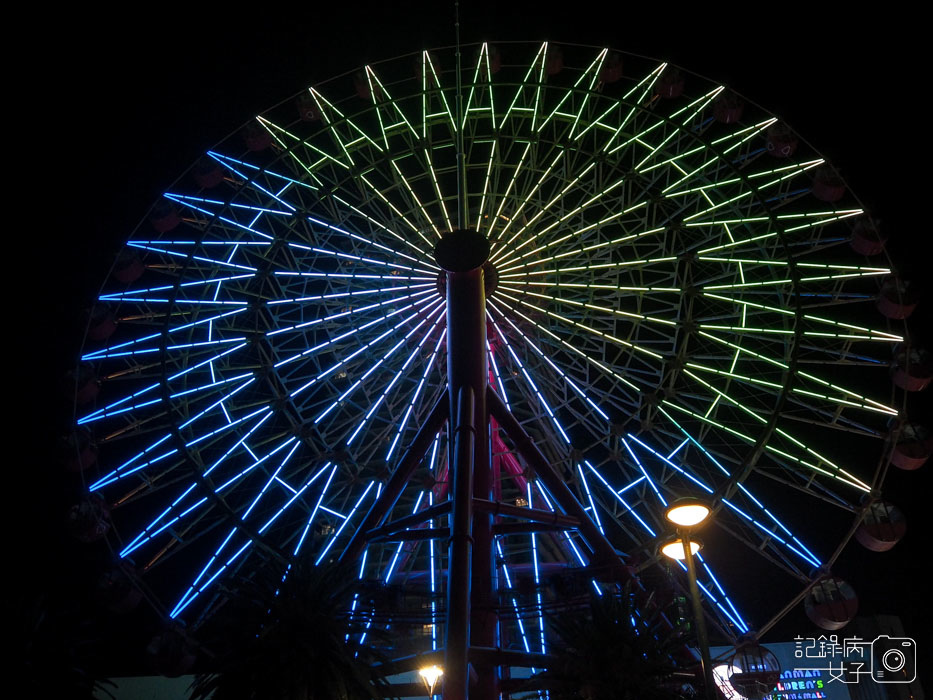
<point x="525" y="528"/>
<point x="534" y="515"/>
<point x="459" y="562"/>
<point x="471" y="606"/>
<point x="416" y="535"/>
<point x="396" y="484"/>
<point x="606" y="557"/>
<point x="422" y="516"/>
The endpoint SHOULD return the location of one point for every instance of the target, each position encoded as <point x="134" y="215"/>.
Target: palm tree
<point x="612" y="651"/>
<point x="287" y="640"/>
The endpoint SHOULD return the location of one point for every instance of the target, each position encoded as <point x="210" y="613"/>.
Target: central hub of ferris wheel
<point x="461" y="251"/>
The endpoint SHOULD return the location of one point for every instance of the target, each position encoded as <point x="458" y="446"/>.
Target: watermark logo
<point x="884" y="659"/>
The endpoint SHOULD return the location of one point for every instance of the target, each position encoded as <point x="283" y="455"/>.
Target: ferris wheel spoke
<point x="789" y="540"/>
<point x="200" y="584"/>
<point x="582" y="326"/>
<point x="634" y="317"/>
<point x="807" y="222"/>
<point x="765" y="333"/>
<point x="646" y="85"/>
<point x="786" y="172"/>
<point x="132" y="295"/>
<point x="152" y="336"/>
<point x="428" y="319"/>
<point x="188" y="256"/>
<point x="317" y="507"/>
<point x="486" y="193"/>
<point x="387" y="109"/>
<point x="188" y="348"/>
<point x="344" y="131"/>
<point x="864" y="402"/>
<point x="384" y="292"/>
<point x="485" y="101"/>
<point x="200" y="204"/>
<point x="409" y="546"/>
<point x="670" y="463"/>
<point x="534" y="78"/>
<point x="133" y="465"/>
<point x="804" y="269"/>
<point x="728" y="144"/>
<point x="383" y="318"/>
<point x="755" y="415"/>
<point x="361" y="259"/>
<point x="766" y="385"/>
<point x="756" y="190"/>
<point x="603" y="367"/>
<point x="431" y="88"/>
<point x="393" y="384"/>
<point x="539" y="398"/>
<point x="586" y="251"/>
<point x="237" y="166"/>
<point x="506" y="196"/>
<point x="152" y="530"/>
<point x="409" y="409"/>
<point x="545" y="209"/>
<point x="369" y="241"/>
<point x="315" y="156"/>
<point x="586" y="82"/>
<point x="617" y="496"/>
<point x="119" y="405"/>
<point x="182" y="506"/>
<point x="423" y="257"/>
<point x="786" y="448"/>
<point x="588" y="286"/>
<point x="345" y="360"/>
<point x="574" y="386"/>
<point x="818" y="219"/>
<point x="685" y="115"/>
<point x="355" y="138"/>
<point x="732" y="613"/>
<point x="346" y="521"/>
<point x="526" y="199"/>
<point x="766" y="310"/>
<point x="709" y="591"/>
<point x="253" y="185"/>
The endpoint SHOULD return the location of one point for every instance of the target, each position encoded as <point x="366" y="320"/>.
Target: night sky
<point x="120" y="115"/>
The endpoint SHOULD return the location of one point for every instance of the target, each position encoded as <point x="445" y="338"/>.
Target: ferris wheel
<point x="680" y="301"/>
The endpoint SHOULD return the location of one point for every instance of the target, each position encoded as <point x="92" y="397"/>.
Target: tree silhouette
<point x="610" y="650"/>
<point x="288" y="640"/>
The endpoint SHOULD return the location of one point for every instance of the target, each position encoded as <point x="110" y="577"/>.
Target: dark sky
<point x="120" y="113"/>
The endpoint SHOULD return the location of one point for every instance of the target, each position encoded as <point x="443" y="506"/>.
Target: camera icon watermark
<point x="884" y="659"/>
<point x="893" y="659"/>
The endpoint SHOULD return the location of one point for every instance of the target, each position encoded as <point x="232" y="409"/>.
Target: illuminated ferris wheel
<point x="679" y="302"/>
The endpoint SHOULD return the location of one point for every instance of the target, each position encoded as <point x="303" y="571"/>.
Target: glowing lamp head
<point x="688" y="512"/>
<point x="675" y="548"/>
<point x="430" y="676"/>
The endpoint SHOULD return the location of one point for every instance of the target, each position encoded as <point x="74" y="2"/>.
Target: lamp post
<point x="687" y="515"/>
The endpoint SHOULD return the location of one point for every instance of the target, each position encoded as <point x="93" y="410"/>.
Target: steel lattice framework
<point x="673" y="313"/>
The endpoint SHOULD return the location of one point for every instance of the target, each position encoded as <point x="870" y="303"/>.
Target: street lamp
<point x="688" y="514"/>
<point x="430" y="676"/>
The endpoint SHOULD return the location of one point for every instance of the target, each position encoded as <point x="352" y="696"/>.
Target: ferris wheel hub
<point x="461" y="250"/>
